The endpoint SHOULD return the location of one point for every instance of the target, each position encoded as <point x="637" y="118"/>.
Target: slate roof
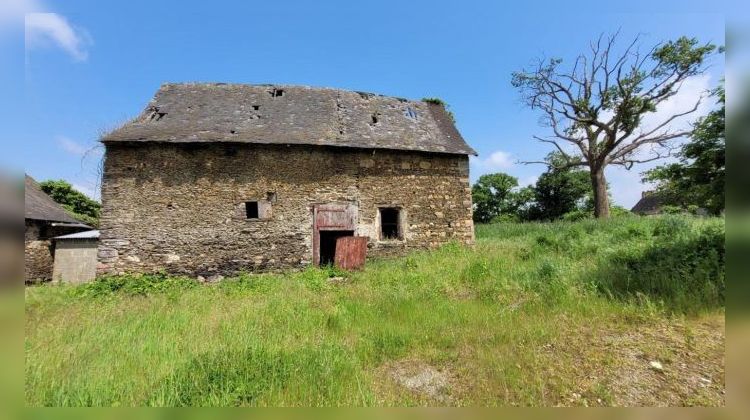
<point x="650" y="203"/>
<point x="89" y="234"/>
<point x="40" y="206"/>
<point x="277" y="114"/>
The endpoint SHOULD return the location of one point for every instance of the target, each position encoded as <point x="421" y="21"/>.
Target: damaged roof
<point x="650" y="203"/>
<point x="276" y="114"/>
<point x="40" y="206"/>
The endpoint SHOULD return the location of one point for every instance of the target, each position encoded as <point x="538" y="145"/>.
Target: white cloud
<point x="43" y="28"/>
<point x="496" y="161"/>
<point x="16" y="9"/>
<point x="626" y="185"/>
<point x="91" y="192"/>
<point x="71" y="146"/>
<point x="528" y="181"/>
<point x="692" y="89"/>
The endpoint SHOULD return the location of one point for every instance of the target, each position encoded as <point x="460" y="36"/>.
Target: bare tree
<point x="596" y="106"/>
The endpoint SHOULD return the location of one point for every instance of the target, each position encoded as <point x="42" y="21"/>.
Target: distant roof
<point x="650" y="203"/>
<point x="276" y="114"/>
<point x="40" y="206"/>
<point x="89" y="234"/>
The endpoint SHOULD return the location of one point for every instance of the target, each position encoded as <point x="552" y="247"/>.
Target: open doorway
<point x="328" y="244"/>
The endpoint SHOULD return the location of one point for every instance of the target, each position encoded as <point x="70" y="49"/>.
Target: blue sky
<point x="95" y="64"/>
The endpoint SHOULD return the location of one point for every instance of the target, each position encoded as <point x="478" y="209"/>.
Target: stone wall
<point x="37" y="253"/>
<point x="180" y="207"/>
<point x="75" y="260"/>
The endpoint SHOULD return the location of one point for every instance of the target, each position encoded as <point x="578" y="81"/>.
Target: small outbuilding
<point x="649" y="204"/>
<point x="75" y="257"/>
<point x="44" y="220"/>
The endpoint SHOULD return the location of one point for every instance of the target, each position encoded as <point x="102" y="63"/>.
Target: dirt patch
<point x="421" y="379"/>
<point x="677" y="363"/>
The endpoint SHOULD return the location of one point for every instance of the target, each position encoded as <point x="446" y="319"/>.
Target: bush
<point x="134" y="285"/>
<point x="576" y="215"/>
<point x="683" y="269"/>
<point x="668" y="209"/>
<point x="671" y="226"/>
<point x="619" y="211"/>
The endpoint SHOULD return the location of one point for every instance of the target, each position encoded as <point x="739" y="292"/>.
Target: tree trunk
<point x="601" y="200"/>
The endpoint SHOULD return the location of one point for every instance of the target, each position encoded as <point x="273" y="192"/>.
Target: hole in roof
<point x="156" y="115"/>
<point x="411" y="113"/>
<point x="233" y="131"/>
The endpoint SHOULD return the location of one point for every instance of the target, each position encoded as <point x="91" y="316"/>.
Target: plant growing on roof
<point x="438" y="101"/>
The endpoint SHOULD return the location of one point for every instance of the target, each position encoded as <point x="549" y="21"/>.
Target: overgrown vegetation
<point x="73" y="201"/>
<point x="438" y="101"/>
<point x="558" y="194"/>
<point x="698" y="179"/>
<point x="535" y="314"/>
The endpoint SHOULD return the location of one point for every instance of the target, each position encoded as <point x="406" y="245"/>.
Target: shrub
<point x="619" y="211"/>
<point x="683" y="269"/>
<point x="669" y="209"/>
<point x="134" y="284"/>
<point x="576" y="215"/>
<point x="671" y="226"/>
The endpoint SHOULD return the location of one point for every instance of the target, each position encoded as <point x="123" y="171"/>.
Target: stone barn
<point x="215" y="179"/>
<point x="44" y="220"/>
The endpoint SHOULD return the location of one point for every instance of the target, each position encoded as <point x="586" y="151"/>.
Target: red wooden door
<point x="332" y="217"/>
<point x="351" y="252"/>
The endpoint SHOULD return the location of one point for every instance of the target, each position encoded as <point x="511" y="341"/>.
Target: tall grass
<point x="480" y="313"/>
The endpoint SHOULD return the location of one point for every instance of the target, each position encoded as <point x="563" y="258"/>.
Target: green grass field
<point x="534" y="314"/>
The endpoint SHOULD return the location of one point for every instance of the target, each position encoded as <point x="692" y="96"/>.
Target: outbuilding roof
<point x="89" y="234"/>
<point x="40" y="206"/>
<point x="278" y="114"/>
<point x="650" y="203"/>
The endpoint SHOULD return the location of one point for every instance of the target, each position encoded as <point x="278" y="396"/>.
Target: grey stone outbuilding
<point x="217" y="178"/>
<point x="75" y="257"/>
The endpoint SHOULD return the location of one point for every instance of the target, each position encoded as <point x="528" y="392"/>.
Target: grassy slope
<point x="523" y="319"/>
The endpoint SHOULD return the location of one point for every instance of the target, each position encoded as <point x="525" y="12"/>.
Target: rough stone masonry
<point x="219" y="178"/>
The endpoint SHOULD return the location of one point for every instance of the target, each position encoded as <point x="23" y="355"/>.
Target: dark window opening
<point x="277" y="92"/>
<point x="251" y="209"/>
<point x="256" y="107"/>
<point x="374" y="118"/>
<point x="389" y="223"/>
<point x="328" y="244"/>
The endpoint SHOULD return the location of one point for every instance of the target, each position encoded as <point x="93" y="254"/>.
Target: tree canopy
<point x="595" y="107"/>
<point x="73" y="201"/>
<point x="492" y="195"/>
<point x="698" y="178"/>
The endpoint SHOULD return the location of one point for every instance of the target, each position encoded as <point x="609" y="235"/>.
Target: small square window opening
<point x="251" y="209"/>
<point x="390" y="227"/>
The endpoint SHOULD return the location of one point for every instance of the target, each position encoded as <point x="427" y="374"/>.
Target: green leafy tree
<point x="595" y="107"/>
<point x="73" y="201"/>
<point x="698" y="179"/>
<point x="559" y="191"/>
<point x="493" y="196"/>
